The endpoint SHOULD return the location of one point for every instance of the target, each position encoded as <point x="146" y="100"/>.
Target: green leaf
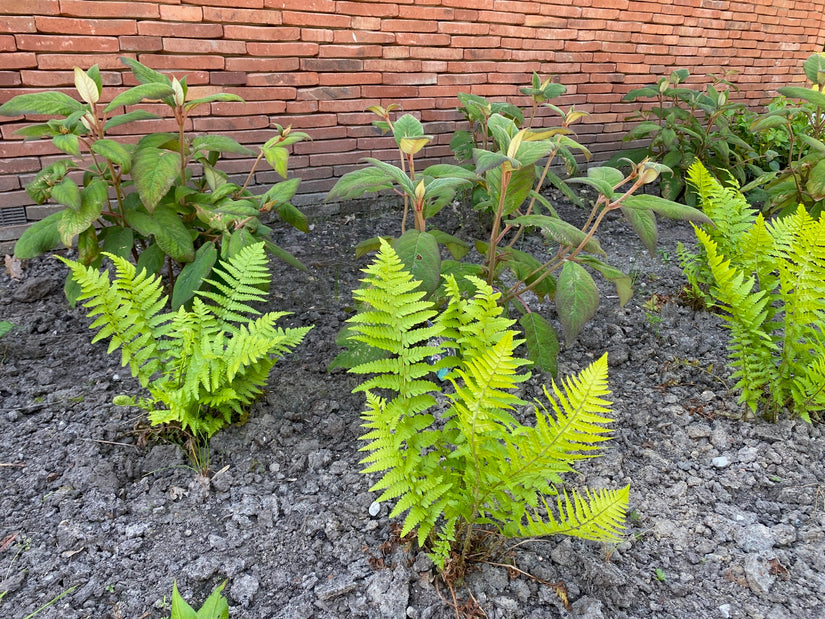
<point x="139" y="93"/>
<point x="144" y="74"/>
<point x="644" y="223"/>
<point x="122" y="119"/>
<point x="560" y="231"/>
<point x="154" y="171"/>
<point x="577" y="298"/>
<point x="358" y="182"/>
<point x="814" y="68"/>
<point x="192" y="274"/>
<point x="115" y="152"/>
<point x="67" y="192"/>
<point x="39" y="238"/>
<point x="86" y="86"/>
<point x="151" y="259"/>
<point x="293" y="216"/>
<point x="371" y="244"/>
<point x="816" y="181"/>
<point x="607" y="174"/>
<point x="180" y="609"/>
<point x="172" y="235"/>
<point x="220" y="96"/>
<point x="283" y="254"/>
<point x="67" y="143"/>
<point x="221" y="144"/>
<point x="408" y="126"/>
<point x="5" y="327"/>
<point x="118" y="240"/>
<point x="542" y="342"/>
<point x="599" y="184"/>
<point x="215" y="606"/>
<point x="41" y="104"/>
<point x="74" y="221"/>
<point x="278" y="158"/>
<point x="666" y="208"/>
<point x="622" y="281"/>
<point x="446" y="170"/>
<point x="528" y="269"/>
<point x="799" y="92"/>
<point x="484" y="160"/>
<point x="280" y="193"/>
<point x="457" y="248"/>
<point x="419" y="253"/>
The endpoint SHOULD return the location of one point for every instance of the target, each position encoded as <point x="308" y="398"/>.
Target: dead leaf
<point x="14" y="268"/>
<point x="68" y="554"/>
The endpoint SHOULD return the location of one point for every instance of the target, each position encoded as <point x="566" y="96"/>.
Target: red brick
<point x="10" y="78"/>
<point x="282" y="49"/>
<point x="261" y="65"/>
<point x="18" y="60"/>
<point x="469" y="4"/>
<point x="368" y="9"/>
<point x="465" y="28"/>
<point x="168" y="29"/>
<point x="238" y="109"/>
<point x="365" y="23"/>
<point x="181" y="13"/>
<point x="325" y="93"/>
<point x="302" y="78"/>
<point x="181" y="62"/>
<point x="141" y="44"/>
<point x="228" y="78"/>
<point x="204" y="46"/>
<point x="104" y="8"/>
<point x="475" y="42"/>
<point x="29" y="7"/>
<point x="408" y="25"/>
<point x="349" y="79"/>
<point x="261" y="33"/>
<point x="425" y="13"/>
<point x="224" y="124"/>
<point x="328" y="145"/>
<point x="350" y="51"/>
<point x="317" y="35"/>
<point x="316" y="6"/>
<point x="241" y="16"/>
<point x="7" y="43"/>
<point x="313" y="19"/>
<point x="97" y="27"/>
<point x="410" y="79"/>
<point x="363" y="37"/>
<point x="246" y="4"/>
<point x="56" y="43"/>
<point x="330" y="65"/>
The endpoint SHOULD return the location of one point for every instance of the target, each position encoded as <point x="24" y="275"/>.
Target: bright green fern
<point x="201" y="366"/>
<point x="770" y="283"/>
<point x="470" y="462"/>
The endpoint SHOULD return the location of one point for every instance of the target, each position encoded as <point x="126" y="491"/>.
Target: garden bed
<point x="727" y="515"/>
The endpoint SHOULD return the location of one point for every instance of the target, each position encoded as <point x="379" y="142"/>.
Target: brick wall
<point x="317" y="64"/>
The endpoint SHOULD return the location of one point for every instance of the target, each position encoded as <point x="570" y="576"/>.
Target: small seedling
<point x="660" y="575"/>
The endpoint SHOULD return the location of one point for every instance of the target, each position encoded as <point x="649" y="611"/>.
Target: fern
<point x="473" y="463"/>
<point x="769" y="280"/>
<point x="201" y="366"/>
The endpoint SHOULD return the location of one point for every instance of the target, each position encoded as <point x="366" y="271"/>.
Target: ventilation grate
<point x="13" y="216"/>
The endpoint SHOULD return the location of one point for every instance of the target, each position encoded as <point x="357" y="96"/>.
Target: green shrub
<point x="144" y="200"/>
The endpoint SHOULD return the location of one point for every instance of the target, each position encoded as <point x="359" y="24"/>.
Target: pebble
<point x="244" y="589"/>
<point x="720" y="462"/>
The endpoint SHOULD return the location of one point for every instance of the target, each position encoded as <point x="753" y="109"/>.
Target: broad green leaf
<point x="42" y="103"/>
<point x="560" y="231"/>
<point x="88" y="247"/>
<point x="484" y="160"/>
<point x="180" y="609"/>
<point x="172" y="235"/>
<point x="122" y="119"/>
<point x="396" y="174"/>
<point x="283" y="254"/>
<point x="529" y="152"/>
<point x="599" y="184"/>
<point x="408" y="126"/>
<point x="217" y="97"/>
<point x="358" y="182"/>
<point x="622" y="281"/>
<point x="771" y="121"/>
<point x="647" y="91"/>
<point x="446" y="170"/>
<point x="542" y="342"/>
<point x="519" y="187"/>
<point x="215" y="606"/>
<point x="419" y="253"/>
<point x="293" y="216"/>
<point x="144" y="74"/>
<point x="813" y="143"/>
<point x="278" y="158"/>
<point x="666" y="208"/>
<point x="71" y="289"/>
<point x="643" y="221"/>
<point x="151" y="259"/>
<point x="86" y="86"/>
<point x="798" y="92"/>
<point x="5" y="327"/>
<point x="115" y="152"/>
<point x="528" y="269"/>
<point x="67" y="193"/>
<point x="280" y="193"/>
<point x="816" y="181"/>
<point x="192" y="274"/>
<point x="577" y="298"/>
<point x="39" y="238"/>
<point x="221" y="144"/>
<point x="118" y="240"/>
<point x="75" y="221"/>
<point x="457" y="248"/>
<point x="67" y="143"/>
<point x="814" y="68"/>
<point x="154" y="171"/>
<point x="608" y="174"/>
<point x="139" y="93"/>
<point x="371" y="244"/>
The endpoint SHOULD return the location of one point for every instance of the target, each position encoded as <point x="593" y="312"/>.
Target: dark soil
<point x="727" y="515"/>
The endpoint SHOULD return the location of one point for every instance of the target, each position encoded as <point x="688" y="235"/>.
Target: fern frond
<point x="126" y="310"/>
<point x="597" y="515"/>
<point x="751" y="346"/>
<point x="238" y="282"/>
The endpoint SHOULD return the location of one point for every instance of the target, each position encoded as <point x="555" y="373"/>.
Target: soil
<point x="727" y="514"/>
